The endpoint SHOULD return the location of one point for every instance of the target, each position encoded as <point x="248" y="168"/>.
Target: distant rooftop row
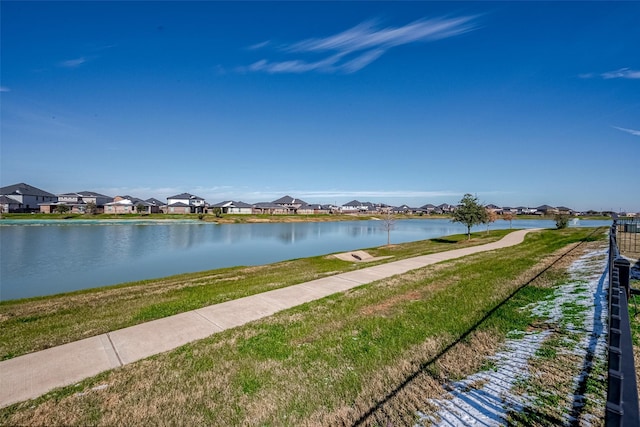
<point x="26" y="198"/>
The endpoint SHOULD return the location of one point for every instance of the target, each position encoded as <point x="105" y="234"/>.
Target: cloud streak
<point x="73" y="63"/>
<point x="622" y="73"/>
<point x="354" y="49"/>
<point x="630" y="131"/>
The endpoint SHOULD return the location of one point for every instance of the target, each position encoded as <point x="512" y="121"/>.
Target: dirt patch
<point x="386" y="307"/>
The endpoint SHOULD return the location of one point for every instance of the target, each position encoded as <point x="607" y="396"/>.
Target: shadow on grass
<point x="440" y="240"/>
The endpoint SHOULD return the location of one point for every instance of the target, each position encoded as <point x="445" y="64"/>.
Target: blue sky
<point x="400" y="102"/>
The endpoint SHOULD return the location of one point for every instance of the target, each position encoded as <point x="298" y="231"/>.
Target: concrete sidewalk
<point x="32" y="375"/>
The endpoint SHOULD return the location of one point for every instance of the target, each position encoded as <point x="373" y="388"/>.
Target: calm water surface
<point x="49" y="257"/>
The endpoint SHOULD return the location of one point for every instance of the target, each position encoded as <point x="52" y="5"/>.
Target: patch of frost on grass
<point x="468" y="406"/>
<point x="489" y="404"/>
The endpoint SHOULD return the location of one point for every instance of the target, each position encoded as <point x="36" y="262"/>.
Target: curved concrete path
<point x="34" y="374"/>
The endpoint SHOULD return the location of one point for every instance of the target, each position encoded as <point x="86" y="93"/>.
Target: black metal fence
<point x="628" y="235"/>
<point x="622" y="392"/>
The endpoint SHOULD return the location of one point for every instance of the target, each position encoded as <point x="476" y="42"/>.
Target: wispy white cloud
<point x="73" y="63"/>
<point x="4" y="89"/>
<point x="631" y="131"/>
<point x="357" y="47"/>
<point x="622" y="73"/>
<point x="259" y="45"/>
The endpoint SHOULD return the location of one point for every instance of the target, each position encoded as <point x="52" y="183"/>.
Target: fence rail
<point x="622" y="391"/>
<point x="628" y="234"/>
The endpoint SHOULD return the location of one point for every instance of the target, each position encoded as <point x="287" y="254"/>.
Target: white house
<point x="355" y="206"/>
<point x="232" y="207"/>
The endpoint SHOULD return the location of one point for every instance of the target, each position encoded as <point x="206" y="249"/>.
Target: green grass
<point x="310" y="364"/>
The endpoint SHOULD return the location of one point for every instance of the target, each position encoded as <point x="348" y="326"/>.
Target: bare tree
<point x="491" y="217"/>
<point x="388" y="223"/>
<point x="508" y="216"/>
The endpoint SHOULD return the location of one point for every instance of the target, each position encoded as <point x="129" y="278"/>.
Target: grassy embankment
<point x="326" y="362"/>
<point x="37" y="323"/>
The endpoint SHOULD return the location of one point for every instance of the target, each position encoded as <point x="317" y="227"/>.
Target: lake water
<point x="49" y="257"/>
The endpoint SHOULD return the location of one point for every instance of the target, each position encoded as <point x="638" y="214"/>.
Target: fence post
<point x="624" y="266"/>
<point x="622" y="393"/>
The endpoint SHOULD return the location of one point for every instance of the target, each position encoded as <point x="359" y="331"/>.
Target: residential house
<point x="120" y="205"/>
<point x="370" y="207"/>
<point x="521" y="210"/>
<point x="28" y="197"/>
<point x="196" y="204"/>
<point x="381" y="208"/>
<point x="493" y="208"/>
<point x="446" y="208"/>
<point x="127" y="205"/>
<point x="7" y="204"/>
<point x="290" y="203"/>
<point x="77" y="202"/>
<point x="314" y="209"/>
<point x="429" y="208"/>
<point x="546" y="210"/>
<point x="563" y="210"/>
<point x="178" y="208"/>
<point x="355" y="206"/>
<point x="156" y="205"/>
<point x="232" y="207"/>
<point x="269" y="208"/>
<point x="405" y="209"/>
<point x="509" y="210"/>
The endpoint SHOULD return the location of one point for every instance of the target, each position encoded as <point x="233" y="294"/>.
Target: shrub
<point x="562" y="221"/>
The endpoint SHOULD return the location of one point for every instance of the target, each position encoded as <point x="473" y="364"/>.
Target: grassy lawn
<point x="322" y="363"/>
<point x="34" y="324"/>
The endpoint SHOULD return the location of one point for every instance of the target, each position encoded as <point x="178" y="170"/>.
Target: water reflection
<point x="53" y="258"/>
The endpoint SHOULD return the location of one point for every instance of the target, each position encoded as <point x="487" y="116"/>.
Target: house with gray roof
<point x="563" y="210"/>
<point x="196" y="204"/>
<point x="429" y="208"/>
<point x="314" y="209"/>
<point x="270" y="208"/>
<point x="290" y="203"/>
<point x="78" y="202"/>
<point x="127" y="205"/>
<point x="355" y="206"/>
<point x="7" y="204"/>
<point x="156" y="205"/>
<point x="28" y="197"/>
<point x="446" y="208"/>
<point x="546" y="210"/>
<point x="232" y="207"/>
